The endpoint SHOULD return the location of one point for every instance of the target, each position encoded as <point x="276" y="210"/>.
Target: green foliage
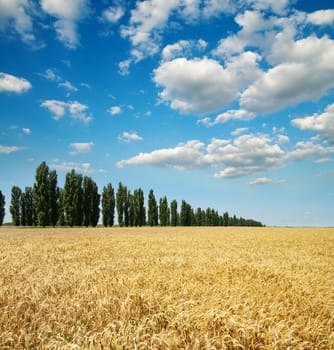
<point x="15" y="205"/>
<point x="42" y="195"/>
<point x="78" y="203"/>
<point x="108" y="205"/>
<point x="152" y="215"/>
<point x="91" y="202"/>
<point x="139" y="208"/>
<point x="73" y="195"/>
<point x="121" y="204"/>
<point x="173" y="213"/>
<point x="53" y="198"/>
<point x="2" y="208"/>
<point x="164" y="211"/>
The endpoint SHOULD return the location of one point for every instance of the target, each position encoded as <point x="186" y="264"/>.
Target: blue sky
<point x="223" y="103"/>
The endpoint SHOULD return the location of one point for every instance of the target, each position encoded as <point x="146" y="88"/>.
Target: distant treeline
<point x="78" y="204"/>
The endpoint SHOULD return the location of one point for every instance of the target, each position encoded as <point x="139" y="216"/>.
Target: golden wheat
<point x="167" y="288"/>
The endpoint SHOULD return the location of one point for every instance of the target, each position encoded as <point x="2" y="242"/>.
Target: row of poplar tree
<point x="78" y="204"/>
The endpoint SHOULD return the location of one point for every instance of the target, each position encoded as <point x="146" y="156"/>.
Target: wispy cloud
<point x="265" y="181"/>
<point x="78" y="167"/>
<point x="129" y="137"/>
<point x="75" y="109"/>
<point x="80" y="147"/>
<point x="9" y="149"/>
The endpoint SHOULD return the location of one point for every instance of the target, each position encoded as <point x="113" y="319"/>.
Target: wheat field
<point x="167" y="288"/>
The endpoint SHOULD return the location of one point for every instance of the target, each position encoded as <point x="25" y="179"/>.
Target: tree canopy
<point x="78" y="203"/>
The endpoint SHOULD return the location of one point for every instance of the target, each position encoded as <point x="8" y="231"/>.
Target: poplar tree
<point x="42" y="195"/>
<point x="152" y="215"/>
<point x="139" y="208"/>
<point x="91" y="202"/>
<point x="108" y="205"/>
<point x="2" y="208"/>
<point x="15" y="205"/>
<point x="95" y="214"/>
<point x="61" y="211"/>
<point x="29" y="206"/>
<point x="121" y="204"/>
<point x="163" y="211"/>
<point x="73" y="195"/>
<point x="173" y="213"/>
<point x="53" y="197"/>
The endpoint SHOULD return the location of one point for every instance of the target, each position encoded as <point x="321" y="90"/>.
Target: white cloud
<point x="310" y="149"/>
<point x="9" y="149"/>
<point x="114" y="110"/>
<point x="68" y="86"/>
<point x="321" y="17"/>
<point x="233" y="114"/>
<point x="76" y="110"/>
<point x="27" y="131"/>
<point x="78" y="167"/>
<point x="195" y="86"/>
<point x="277" y="6"/>
<point x="113" y="14"/>
<point x="183" y="157"/>
<point x="146" y="20"/>
<point x="182" y="48"/>
<point x="239" y="131"/>
<point x="124" y="67"/>
<point x="322" y="123"/>
<point x="307" y="73"/>
<point x="68" y="14"/>
<point x="282" y="139"/>
<point x="56" y="107"/>
<point x="204" y="85"/>
<point x="246" y="155"/>
<point x="51" y="75"/>
<point x="11" y="83"/>
<point x="16" y="15"/>
<point x="80" y="147"/>
<point x="265" y="181"/>
<point x="129" y="137"/>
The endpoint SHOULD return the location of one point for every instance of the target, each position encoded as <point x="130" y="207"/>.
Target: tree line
<point x="78" y="204"/>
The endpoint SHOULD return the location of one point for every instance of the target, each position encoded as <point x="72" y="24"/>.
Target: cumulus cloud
<point x="146" y="20"/>
<point x="322" y="123"/>
<point x="310" y="149"/>
<point x="75" y="109"/>
<point x="9" y="149"/>
<point x="129" y="137"/>
<point x="80" y="147"/>
<point x="114" y="110"/>
<point x="245" y="155"/>
<point x="57" y="108"/>
<point x="204" y="85"/>
<point x="183" y="157"/>
<point x="321" y="17"/>
<point x="67" y="14"/>
<point x="15" y="15"/>
<point x="182" y="48"/>
<point x="11" y="83"/>
<point x="306" y="74"/>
